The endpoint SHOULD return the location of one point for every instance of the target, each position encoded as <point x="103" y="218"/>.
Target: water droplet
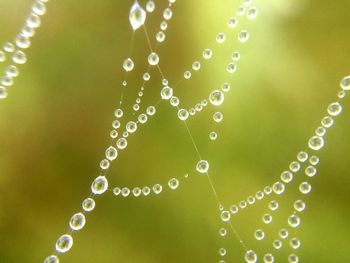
<point x="267" y="190"/>
<point x="163" y="25"/>
<point x="104" y="164"/>
<point x="302" y="156"/>
<point x="251" y="200"/>
<point x="88" y="204"/>
<point x="268" y="258"/>
<point x="225" y="87"/>
<point x="116" y="191"/>
<point x="33" y="20"/>
<point x="252" y="12"/>
<point x="213" y="136"/>
<point x="22" y="41"/>
<point x="187" y="74"/>
<point x="111" y="153"/>
<point x="242" y="204"/>
<point x="2" y="56"/>
<point x="183" y="114"/>
<point x="283" y="233"/>
<point x="166" y="93"/>
<point x="3" y="93"/>
<point x="173" y="183"/>
<point x="314" y="160"/>
<point x="153" y="59"/>
<point x="232" y="22"/>
<point x="236" y="56"/>
<point x="295" y="243"/>
<point x="99" y="185"/>
<point x="277" y="244"/>
<point x="294" y="221"/>
<point x="125" y="192"/>
<point x="157" y="188"/>
<point x="51" y="259"/>
<point x="294" y="166"/>
<point x="136" y="191"/>
<point x="316" y="143"/>
<point x="320" y="131"/>
<point x="77" y="221"/>
<point x="220" y="38"/>
<point x="293" y="258"/>
<point x="167" y="13"/>
<point x="151" y="110"/>
<point x="218" y="117"/>
<point x="243" y="36"/>
<point x="39" y="8"/>
<point x="202" y="166"/>
<point x="142" y="118"/>
<point x="278" y="188"/>
<point x="223" y="232"/>
<point x="222" y="252"/>
<point x="207" y="53"/>
<point x="216" y="98"/>
<point x="150" y="6"/>
<point x="240" y="10"/>
<point x="174" y="101"/>
<point x="305" y="188"/>
<point x="299" y="205"/>
<point x="160" y="36"/>
<point x="231" y="68"/>
<point x="128" y="64"/>
<point x="327" y="122"/>
<point x="196" y="65"/>
<point x="137" y="16"/>
<point x="334" y="109"/>
<point x="267" y="218"/>
<point x="286" y="176"/>
<point x="64" y="243"/>
<point x="273" y="205"/>
<point x="122" y="143"/>
<point x="131" y="126"/>
<point x="259" y="195"/>
<point x="9" y="47"/>
<point x="19" y="57"/>
<point x="345" y="83"/>
<point x="225" y="216"/>
<point x="250" y="256"/>
<point x="310" y="171"/>
<point x="259" y="234"/>
<point x="234" y="209"/>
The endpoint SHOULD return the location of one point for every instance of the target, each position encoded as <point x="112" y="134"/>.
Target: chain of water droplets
<point x="16" y="48"/>
<point x="100" y="184"/>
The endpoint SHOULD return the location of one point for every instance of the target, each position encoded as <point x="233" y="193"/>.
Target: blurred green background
<point x="55" y="123"/>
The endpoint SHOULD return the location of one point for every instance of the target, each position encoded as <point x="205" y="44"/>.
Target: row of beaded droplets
<point x="16" y="49"/>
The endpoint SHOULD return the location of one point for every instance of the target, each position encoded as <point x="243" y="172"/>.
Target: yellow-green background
<point x="55" y="123"/>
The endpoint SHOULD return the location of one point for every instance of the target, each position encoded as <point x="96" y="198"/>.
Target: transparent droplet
<point x="293" y="258"/>
<point x="150" y="6"/>
<point x="243" y="36"/>
<point x="225" y="216"/>
<point x="310" y="171"/>
<point x="242" y="204"/>
<point x="305" y="188"/>
<point x="137" y="16"/>
<point x="202" y="166"/>
<point x="77" y="221"/>
<point x="88" y="204"/>
<point x="225" y="87"/>
<point x="213" y="136"/>
<point x="174" y="101"/>
<point x="9" y="47"/>
<point x="163" y="25"/>
<point x="122" y="143"/>
<point x="267" y="218"/>
<point x="299" y="205"/>
<point x="240" y="10"/>
<point x="268" y="258"/>
<point x="236" y="56"/>
<point x="252" y="12"/>
<point x="273" y="205"/>
<point x="295" y="243"/>
<point x="111" y="153"/>
<point x="64" y="243"/>
<point x="104" y="164"/>
<point x="294" y="166"/>
<point x="167" y="13"/>
<point x="153" y="59"/>
<point x="220" y="38"/>
<point x="222" y="252"/>
<point x="234" y="209"/>
<point x="216" y="98"/>
<point x="259" y="234"/>
<point x="118" y="113"/>
<point x="232" y="22"/>
<point x="173" y="183"/>
<point x="277" y="244"/>
<point x="99" y="185"/>
<point x="136" y="191"/>
<point x="268" y="190"/>
<point x="286" y="176"/>
<point x="231" y="68"/>
<point x="302" y="156"/>
<point x="320" y="131"/>
<point x="218" y="116"/>
<point x="3" y="93"/>
<point x="251" y="200"/>
<point x="283" y="233"/>
<point x="294" y="221"/>
<point x="196" y="65"/>
<point x="142" y="118"/>
<point x="131" y="127"/>
<point x="128" y="64"/>
<point x="250" y="256"/>
<point x="278" y="188"/>
<point x="334" y="109"/>
<point x="146" y="190"/>
<point x="160" y="36"/>
<point x="2" y="56"/>
<point x="259" y="195"/>
<point x="327" y="122"/>
<point x="207" y="53"/>
<point x="157" y="188"/>
<point x="125" y="192"/>
<point x="183" y="114"/>
<point x="33" y="20"/>
<point x="166" y="93"/>
<point x="39" y="8"/>
<point x="314" y="160"/>
<point x="345" y="83"/>
<point x="316" y="143"/>
<point x="151" y="110"/>
<point x="51" y="259"/>
<point x="116" y="191"/>
<point x="22" y="41"/>
<point x="19" y="57"/>
<point x="187" y="74"/>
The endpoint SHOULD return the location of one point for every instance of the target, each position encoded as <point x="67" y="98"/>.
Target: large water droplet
<point x="137" y="15"/>
<point x="216" y="97"/>
<point x="64" y="243"/>
<point x="77" y="221"/>
<point x="316" y="143"/>
<point x="99" y="185"/>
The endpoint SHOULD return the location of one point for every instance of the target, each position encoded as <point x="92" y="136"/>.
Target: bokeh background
<point x="55" y="123"/>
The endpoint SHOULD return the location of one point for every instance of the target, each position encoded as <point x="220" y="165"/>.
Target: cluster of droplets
<point x="15" y="49"/>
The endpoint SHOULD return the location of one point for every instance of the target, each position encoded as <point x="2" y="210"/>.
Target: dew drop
<point x="305" y="188"/>
<point x="183" y="114"/>
<point x="137" y="15"/>
<point x="99" y="185"/>
<point x="232" y="22"/>
<point x="160" y="36"/>
<point x="128" y="64"/>
<point x="252" y="12"/>
<point x="250" y="256"/>
<point x="19" y="57"/>
<point x="157" y="189"/>
<point x="88" y="204"/>
<point x="295" y="243"/>
<point x="22" y="41"/>
<point x="111" y="153"/>
<point x="64" y="243"/>
<point x="207" y="53"/>
<point x="52" y="259"/>
<point x="277" y="244"/>
<point x="136" y="191"/>
<point x="316" y="143"/>
<point x="225" y="216"/>
<point x="259" y="234"/>
<point x="77" y="221"/>
<point x="167" y="14"/>
<point x="3" y="93"/>
<point x="202" y="166"/>
<point x="299" y="205"/>
<point x="220" y="38"/>
<point x="216" y="97"/>
<point x="153" y="59"/>
<point x="150" y="6"/>
<point x="243" y="36"/>
<point x="231" y="68"/>
<point x="283" y="233"/>
<point x="278" y="188"/>
<point x="267" y="218"/>
<point x="345" y="83"/>
<point x="122" y="143"/>
<point x="334" y="109"/>
<point x="268" y="258"/>
<point x="173" y="183"/>
<point x="294" y="221"/>
<point x="166" y="93"/>
<point x="104" y="164"/>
